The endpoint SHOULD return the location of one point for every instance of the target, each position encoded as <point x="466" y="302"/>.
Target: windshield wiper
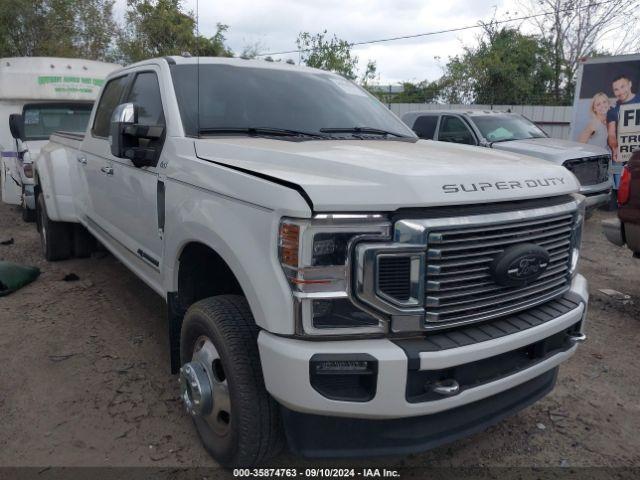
<point x="501" y="140"/>
<point x="364" y="130"/>
<point x="260" y="131"/>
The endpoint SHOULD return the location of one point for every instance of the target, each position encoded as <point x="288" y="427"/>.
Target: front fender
<point x="244" y="235"/>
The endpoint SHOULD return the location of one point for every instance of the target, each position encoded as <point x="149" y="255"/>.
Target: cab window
<point x="145" y="94"/>
<point x="453" y="129"/>
<point x="425" y="126"/>
<point x="109" y="100"/>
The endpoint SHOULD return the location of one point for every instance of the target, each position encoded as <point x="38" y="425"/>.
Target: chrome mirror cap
<point x="124" y="113"/>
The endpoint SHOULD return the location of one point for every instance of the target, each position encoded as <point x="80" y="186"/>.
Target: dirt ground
<point x="85" y="382"/>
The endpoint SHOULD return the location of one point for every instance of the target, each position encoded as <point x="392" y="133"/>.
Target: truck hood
<point x="551" y="149"/>
<point x="379" y="175"/>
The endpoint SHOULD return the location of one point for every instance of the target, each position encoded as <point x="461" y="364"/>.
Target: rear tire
<point x="83" y="242"/>
<point x="55" y="237"/>
<point x="254" y="432"/>
<point x="28" y="215"/>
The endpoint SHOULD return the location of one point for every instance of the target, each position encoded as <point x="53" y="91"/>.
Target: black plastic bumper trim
<point x="336" y="437"/>
<point x="482" y="332"/>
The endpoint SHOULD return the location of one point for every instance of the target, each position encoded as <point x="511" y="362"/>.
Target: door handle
<point x="82" y="160"/>
<point x="107" y="170"/>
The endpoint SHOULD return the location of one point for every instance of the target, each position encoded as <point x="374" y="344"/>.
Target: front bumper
<point x="286" y="367"/>
<point x="596" y="195"/>
<point x="335" y="437"/>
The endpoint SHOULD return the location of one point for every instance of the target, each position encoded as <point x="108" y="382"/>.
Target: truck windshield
<point x="502" y="128"/>
<point x="249" y="100"/>
<point x="41" y="120"/>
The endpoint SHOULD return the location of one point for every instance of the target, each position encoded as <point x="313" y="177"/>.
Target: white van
<point x="51" y="94"/>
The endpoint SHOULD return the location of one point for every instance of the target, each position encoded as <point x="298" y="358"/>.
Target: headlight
<point x="576" y="238"/>
<point x="314" y="254"/>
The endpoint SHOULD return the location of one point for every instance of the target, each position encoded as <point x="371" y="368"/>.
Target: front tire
<point x="55" y="237"/>
<point x="240" y="424"/>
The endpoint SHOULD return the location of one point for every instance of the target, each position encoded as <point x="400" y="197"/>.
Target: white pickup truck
<point x="327" y="274"/>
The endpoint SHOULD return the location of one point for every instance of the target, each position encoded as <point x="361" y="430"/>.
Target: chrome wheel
<point x="204" y="388"/>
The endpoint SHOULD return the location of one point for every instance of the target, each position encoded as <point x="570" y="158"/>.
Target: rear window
<point x="41" y="120"/>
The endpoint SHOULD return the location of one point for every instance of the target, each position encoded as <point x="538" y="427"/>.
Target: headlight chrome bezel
<point x="313" y="280"/>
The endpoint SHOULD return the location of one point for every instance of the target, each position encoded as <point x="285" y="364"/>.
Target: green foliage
<point x="506" y="67"/>
<point x="62" y="28"/>
<point x="156" y="28"/>
<point x="369" y="75"/>
<point x="333" y="54"/>
<point x="421" y="92"/>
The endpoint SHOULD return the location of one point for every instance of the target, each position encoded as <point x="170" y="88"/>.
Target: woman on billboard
<point x="595" y="133"/>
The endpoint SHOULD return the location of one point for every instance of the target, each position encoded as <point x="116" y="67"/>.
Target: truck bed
<point x="54" y="171"/>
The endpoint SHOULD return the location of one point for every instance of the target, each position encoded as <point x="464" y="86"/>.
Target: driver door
<point x="135" y="197"/>
<point x="454" y="129"/>
<point x="123" y="196"/>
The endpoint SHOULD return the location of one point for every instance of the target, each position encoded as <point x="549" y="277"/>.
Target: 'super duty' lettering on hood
<point x="378" y="175"/>
<point x="503" y="185"/>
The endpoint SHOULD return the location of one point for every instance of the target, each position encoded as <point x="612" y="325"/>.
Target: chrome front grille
<point x="589" y="170"/>
<point x="458" y="285"/>
<point x="446" y="267"/>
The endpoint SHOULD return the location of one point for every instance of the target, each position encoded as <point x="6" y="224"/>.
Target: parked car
<point x="515" y="133"/>
<point x="625" y="228"/>
<point x="48" y="94"/>
<point x="325" y="272"/>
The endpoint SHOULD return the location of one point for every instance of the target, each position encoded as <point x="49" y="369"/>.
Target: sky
<point x="273" y="25"/>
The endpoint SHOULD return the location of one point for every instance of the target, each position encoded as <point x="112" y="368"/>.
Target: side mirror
<point x="128" y="139"/>
<point x="123" y="115"/>
<point x="16" y="125"/>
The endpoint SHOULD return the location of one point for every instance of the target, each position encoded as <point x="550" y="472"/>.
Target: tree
<point x="62" y="28"/>
<point x="251" y="51"/>
<point x="157" y="28"/>
<point x="421" y="92"/>
<point x="506" y="67"/>
<point x="577" y="29"/>
<point x="370" y="75"/>
<point x="331" y="54"/>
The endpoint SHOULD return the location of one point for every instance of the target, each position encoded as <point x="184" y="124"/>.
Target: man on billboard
<point x="622" y="90"/>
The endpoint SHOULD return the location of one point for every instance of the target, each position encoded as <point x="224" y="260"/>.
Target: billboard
<point x="606" y="108"/>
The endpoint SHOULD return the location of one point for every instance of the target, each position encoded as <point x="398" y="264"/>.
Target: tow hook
<point x="195" y="390"/>
<point x="448" y="387"/>
<point x="577" y="337"/>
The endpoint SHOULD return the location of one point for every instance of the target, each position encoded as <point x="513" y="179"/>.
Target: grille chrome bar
<point x="526" y="236"/>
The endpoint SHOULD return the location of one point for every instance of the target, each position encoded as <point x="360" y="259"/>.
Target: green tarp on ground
<point x="14" y="277"/>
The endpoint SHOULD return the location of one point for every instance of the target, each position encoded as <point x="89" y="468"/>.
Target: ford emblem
<point x="519" y="265"/>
